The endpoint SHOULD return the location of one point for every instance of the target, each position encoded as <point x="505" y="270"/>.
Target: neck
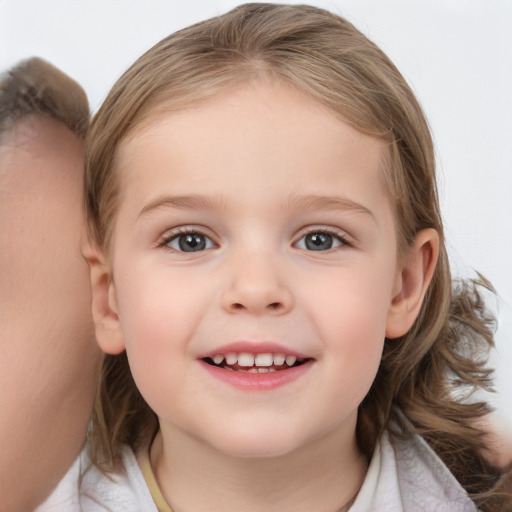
<point x="325" y="475"/>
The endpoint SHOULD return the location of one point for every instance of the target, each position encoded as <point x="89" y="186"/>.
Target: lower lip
<point x="258" y="381"/>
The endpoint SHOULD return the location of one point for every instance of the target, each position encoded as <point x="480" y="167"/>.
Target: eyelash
<point x="344" y="242"/>
<point x="178" y="232"/>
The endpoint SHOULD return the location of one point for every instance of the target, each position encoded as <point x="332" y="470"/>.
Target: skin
<point x="48" y="360"/>
<point x="251" y="155"/>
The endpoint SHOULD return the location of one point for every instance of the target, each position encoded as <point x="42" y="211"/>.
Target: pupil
<point x="192" y="242"/>
<point x="318" y="241"/>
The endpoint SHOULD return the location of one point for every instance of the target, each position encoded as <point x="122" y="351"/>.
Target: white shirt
<point x="406" y="476"/>
<point x="65" y="497"/>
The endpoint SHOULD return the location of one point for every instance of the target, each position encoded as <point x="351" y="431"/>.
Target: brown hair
<point x="324" y="56"/>
<point x="36" y="87"/>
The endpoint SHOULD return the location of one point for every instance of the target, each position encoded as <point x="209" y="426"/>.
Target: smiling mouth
<point x="254" y="363"/>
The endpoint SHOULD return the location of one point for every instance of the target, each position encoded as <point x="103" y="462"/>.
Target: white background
<point x="456" y="54"/>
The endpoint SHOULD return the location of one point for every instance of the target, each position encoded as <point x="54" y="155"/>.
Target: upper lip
<point x="253" y="347"/>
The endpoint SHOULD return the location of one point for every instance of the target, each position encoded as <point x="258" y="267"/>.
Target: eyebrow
<point x="189" y="202"/>
<point x="315" y="202"/>
<point x="296" y="202"/>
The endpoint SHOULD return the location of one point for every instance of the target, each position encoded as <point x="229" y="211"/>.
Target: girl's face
<point x="255" y="226"/>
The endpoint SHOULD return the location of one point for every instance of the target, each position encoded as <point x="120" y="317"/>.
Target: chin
<point x="255" y="443"/>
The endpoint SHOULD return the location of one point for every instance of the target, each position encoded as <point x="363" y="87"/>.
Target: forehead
<point x="40" y="138"/>
<point x="276" y="125"/>
<point x="40" y="207"/>
<point x="41" y="162"/>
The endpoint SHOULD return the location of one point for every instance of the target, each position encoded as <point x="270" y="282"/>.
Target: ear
<point x="104" y="302"/>
<point x="412" y="282"/>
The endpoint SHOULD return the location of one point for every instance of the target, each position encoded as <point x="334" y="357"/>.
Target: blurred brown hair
<point x="34" y="86"/>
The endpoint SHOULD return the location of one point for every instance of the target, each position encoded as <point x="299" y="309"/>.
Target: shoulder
<point x="425" y="481"/>
<point x="65" y="495"/>
<point x="123" y="491"/>
<point x="405" y="475"/>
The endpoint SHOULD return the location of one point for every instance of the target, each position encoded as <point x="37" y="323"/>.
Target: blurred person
<point x="48" y="358"/>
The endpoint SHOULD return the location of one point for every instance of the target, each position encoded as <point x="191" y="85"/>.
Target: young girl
<point x="271" y="285"/>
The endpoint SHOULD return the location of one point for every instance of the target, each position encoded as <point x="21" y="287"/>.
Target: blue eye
<point x="189" y="242"/>
<point x="320" y="241"/>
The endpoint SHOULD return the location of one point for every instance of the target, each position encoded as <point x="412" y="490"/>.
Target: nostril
<point x="274" y="306"/>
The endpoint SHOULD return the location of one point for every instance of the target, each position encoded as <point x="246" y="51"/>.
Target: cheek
<point x="156" y="304"/>
<point x="159" y="314"/>
<point x="350" y="318"/>
<point x="44" y="276"/>
<point x="353" y="299"/>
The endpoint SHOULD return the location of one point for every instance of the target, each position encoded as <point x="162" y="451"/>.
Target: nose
<point x="256" y="286"/>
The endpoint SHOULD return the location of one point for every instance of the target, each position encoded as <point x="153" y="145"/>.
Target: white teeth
<point x="264" y="360"/>
<point x="245" y="359"/>
<point x="290" y="360"/>
<point x="252" y="370"/>
<point x="231" y="358"/>
<point x="279" y="359"/>
<point x="218" y="358"/>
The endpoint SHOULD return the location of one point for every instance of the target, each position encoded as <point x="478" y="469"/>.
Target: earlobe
<point x="104" y="302"/>
<point x="412" y="283"/>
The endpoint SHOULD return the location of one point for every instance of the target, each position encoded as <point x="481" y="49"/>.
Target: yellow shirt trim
<point x="149" y="477"/>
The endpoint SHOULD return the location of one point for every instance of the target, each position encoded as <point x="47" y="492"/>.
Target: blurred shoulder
<point x="122" y="491"/>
